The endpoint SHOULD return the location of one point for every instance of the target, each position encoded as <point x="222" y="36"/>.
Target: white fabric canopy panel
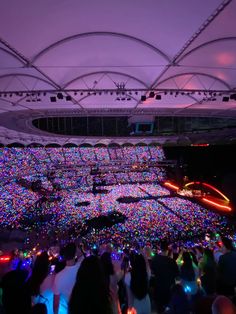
<point x="106" y="55"/>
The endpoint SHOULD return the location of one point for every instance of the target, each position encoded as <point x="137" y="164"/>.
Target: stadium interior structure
<point x="92" y="95"/>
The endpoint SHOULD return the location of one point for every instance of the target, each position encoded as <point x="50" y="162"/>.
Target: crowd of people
<point x="17" y="161"/>
<point x="154" y="215"/>
<point x="80" y="278"/>
<point x="48" y="200"/>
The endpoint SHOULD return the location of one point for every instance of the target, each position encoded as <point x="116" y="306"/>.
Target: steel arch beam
<point x="207" y="22"/>
<point x="27" y="75"/>
<point x="89" y="34"/>
<point x="23" y="59"/>
<point x="12" y="55"/>
<point x="203" y="27"/>
<point x="195" y="73"/>
<point x="8" y="102"/>
<point x="205" y="44"/>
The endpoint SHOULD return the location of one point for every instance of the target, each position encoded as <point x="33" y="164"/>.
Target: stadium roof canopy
<point x="134" y="58"/>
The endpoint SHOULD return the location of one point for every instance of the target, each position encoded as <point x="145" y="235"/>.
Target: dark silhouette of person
<point x="165" y="270"/>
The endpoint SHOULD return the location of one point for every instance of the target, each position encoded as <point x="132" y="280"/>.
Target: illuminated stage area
<point x="52" y="198"/>
<point x="204" y="193"/>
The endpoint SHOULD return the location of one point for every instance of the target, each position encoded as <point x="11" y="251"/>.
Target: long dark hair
<point x="139" y="276"/>
<point x="186" y="270"/>
<point x="107" y="265"/>
<point x="39" y="273"/>
<point x="208" y="260"/>
<point x="209" y="267"/>
<point x="90" y="293"/>
<point x="208" y="257"/>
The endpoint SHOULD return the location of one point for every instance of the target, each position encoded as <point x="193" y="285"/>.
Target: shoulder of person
<point x="60" y="274"/>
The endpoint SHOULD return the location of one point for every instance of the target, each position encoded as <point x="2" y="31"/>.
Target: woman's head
<point x="208" y="255"/>
<point x="228" y="244"/>
<point x="90" y="270"/>
<point x="187" y="258"/>
<point x="42" y="260"/>
<point x="138" y="263"/>
<point x="90" y="293"/>
<point x="39" y="272"/>
<point x="187" y="271"/>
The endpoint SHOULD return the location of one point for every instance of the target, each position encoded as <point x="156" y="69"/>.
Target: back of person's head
<point x="69" y="251"/>
<point x="90" y="267"/>
<point x="186" y="270"/>
<point x="139" y="277"/>
<point x="39" y="308"/>
<point x="187" y="259"/>
<point x="223" y="305"/>
<point x="90" y="293"/>
<point x="41" y="261"/>
<point x="209" y="264"/>
<point x="164" y="246"/>
<point x="209" y="254"/>
<point x="15" y="295"/>
<point x="59" y="266"/>
<point x="228" y="244"/>
<point x="107" y="263"/>
<point x="39" y="273"/>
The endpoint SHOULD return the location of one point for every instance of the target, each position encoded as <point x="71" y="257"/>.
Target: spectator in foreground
<point x="91" y="292"/>
<point x="137" y="283"/>
<point x="179" y="303"/>
<point x="112" y="279"/>
<point x="208" y="270"/>
<point x="165" y="271"/>
<point x="41" y="281"/>
<point x="223" y="305"/>
<point x="65" y="280"/>
<point x="189" y="274"/>
<point x="15" y="296"/>
<point x="227" y="268"/>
